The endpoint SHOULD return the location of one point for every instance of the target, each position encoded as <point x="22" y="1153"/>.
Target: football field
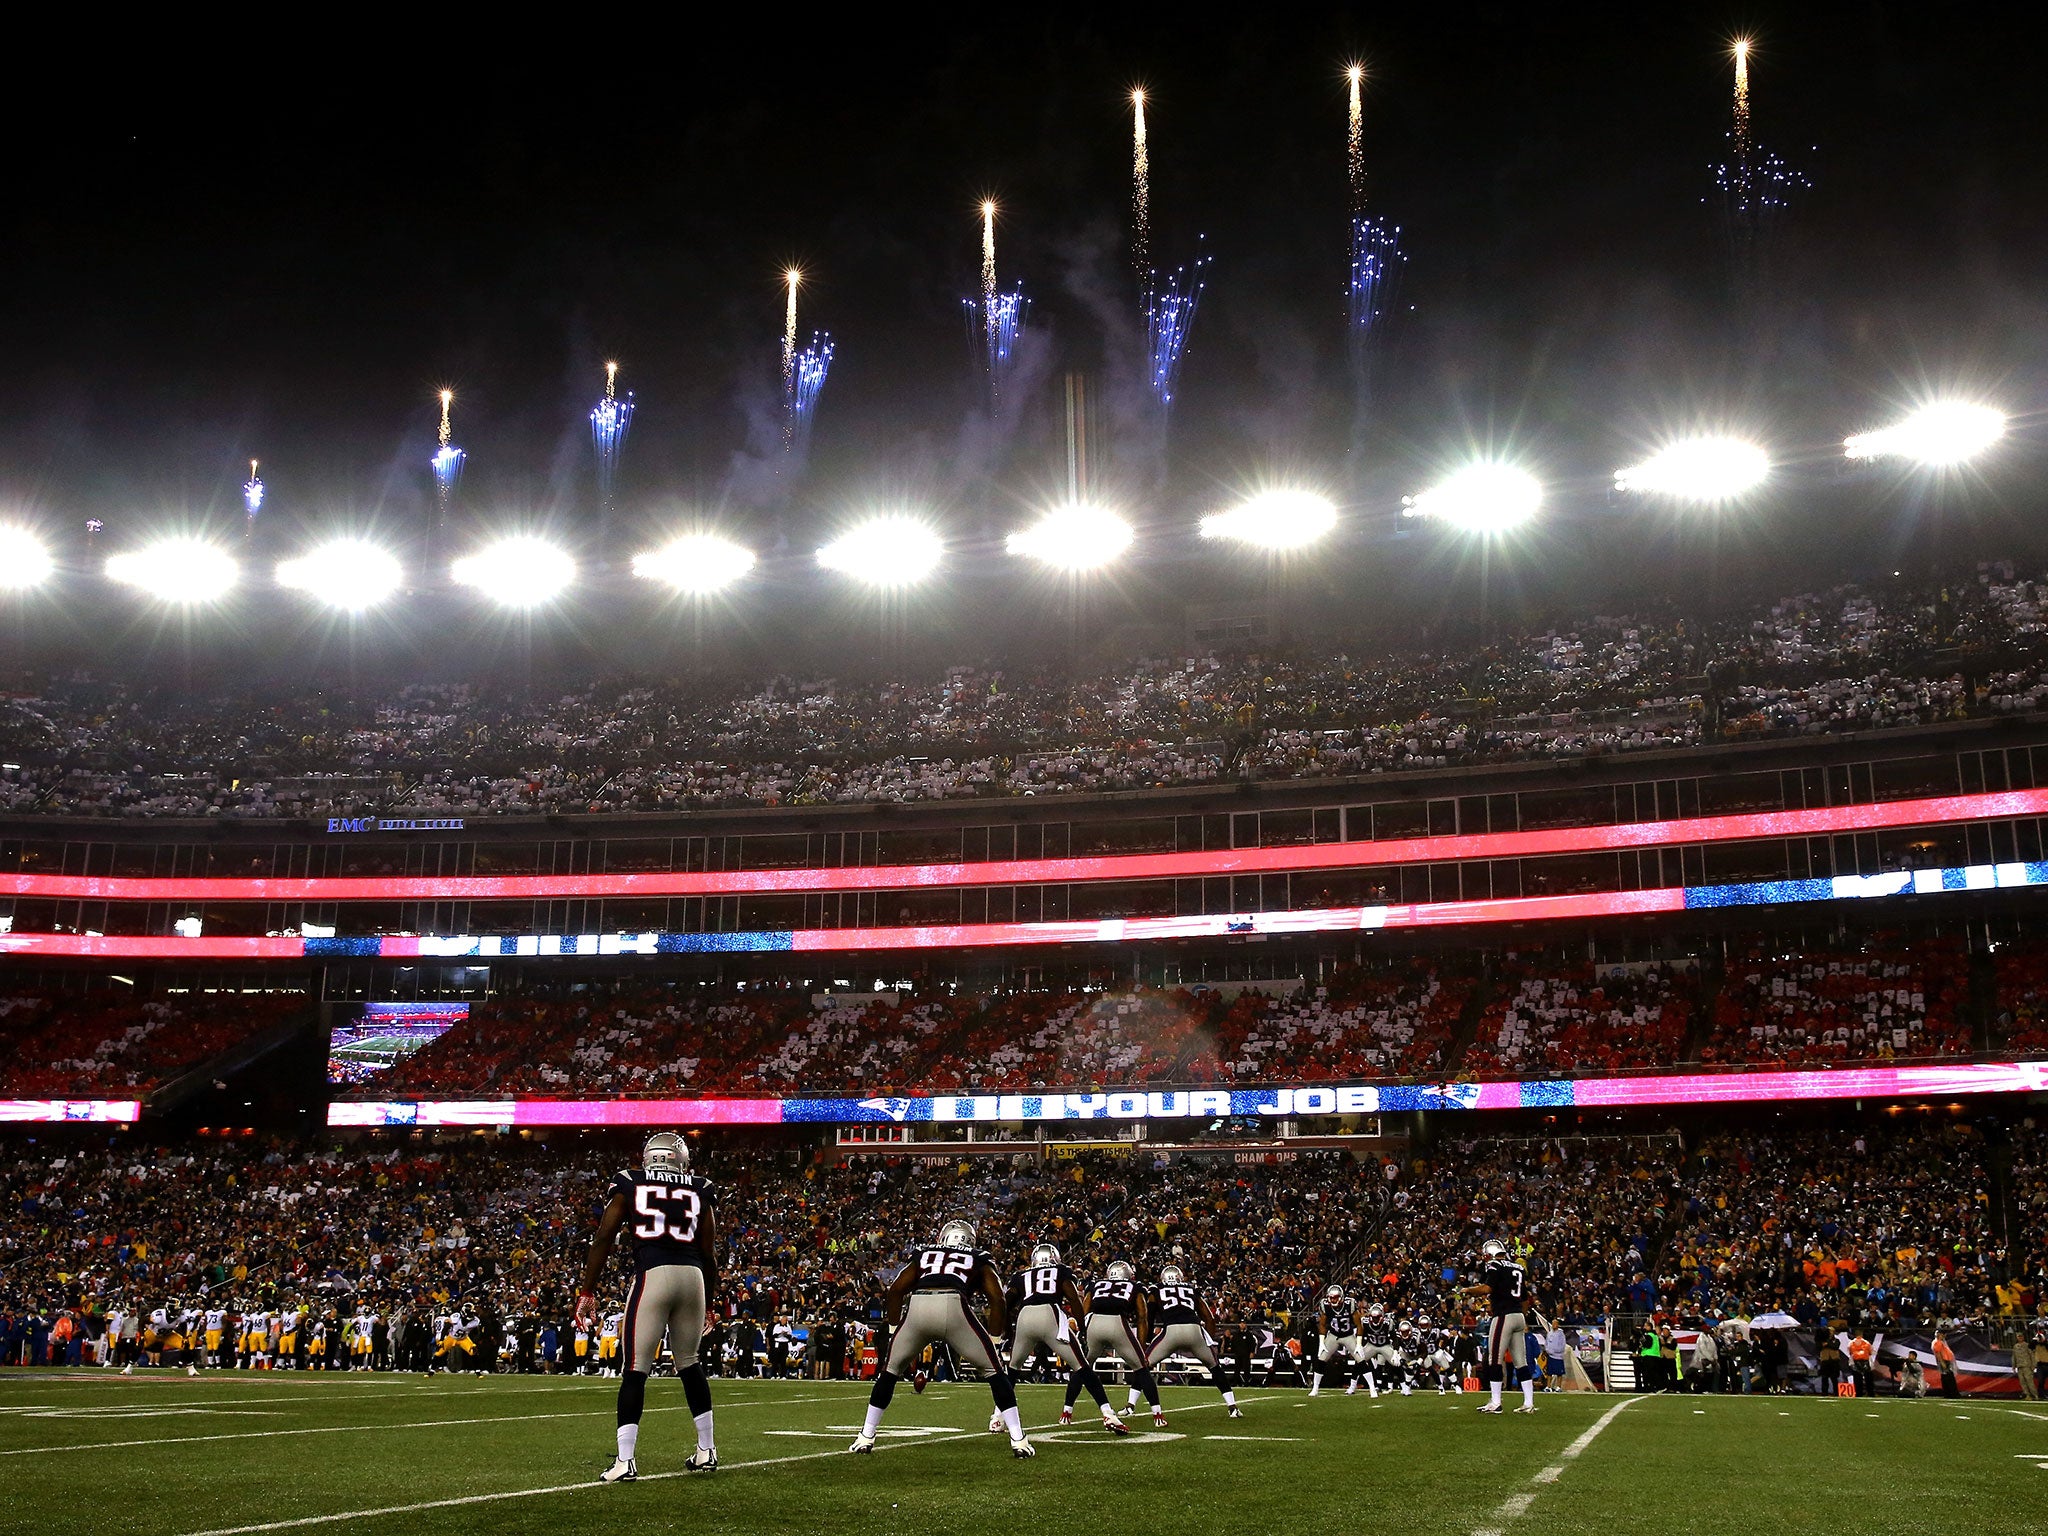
<point x="164" y="1455"/>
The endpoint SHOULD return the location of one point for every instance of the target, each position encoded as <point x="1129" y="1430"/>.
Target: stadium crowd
<point x="113" y="1044"/>
<point x="1845" y="659"/>
<point x="1876" y="1226"/>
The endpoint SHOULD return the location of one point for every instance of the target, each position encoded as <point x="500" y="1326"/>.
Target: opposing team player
<point x="1187" y="1326"/>
<point x="675" y="1274"/>
<point x="1047" y="1317"/>
<point x="1505" y="1285"/>
<point x="1337" y="1334"/>
<point x="1118" y="1319"/>
<point x="927" y="1304"/>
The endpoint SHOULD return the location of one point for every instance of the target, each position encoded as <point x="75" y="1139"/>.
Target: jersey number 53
<point x="666" y="1212"/>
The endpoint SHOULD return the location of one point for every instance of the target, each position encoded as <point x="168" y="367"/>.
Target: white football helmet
<point x="1375" y="1311"/>
<point x="1173" y="1274"/>
<point x="1493" y="1248"/>
<point x="665" y="1152"/>
<point x="1043" y="1254"/>
<point x="1334" y="1293"/>
<point x="957" y="1234"/>
<point x="1121" y="1271"/>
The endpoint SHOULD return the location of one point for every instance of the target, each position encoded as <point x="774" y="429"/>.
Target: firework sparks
<point x="1168" y="319"/>
<point x="1355" y="139"/>
<point x="806" y="382"/>
<point x="1376" y="263"/>
<point x="1141" y="195"/>
<point x="447" y="459"/>
<point x="252" y="499"/>
<point x="610" y="420"/>
<point x="1756" y="186"/>
<point x="994" y="319"/>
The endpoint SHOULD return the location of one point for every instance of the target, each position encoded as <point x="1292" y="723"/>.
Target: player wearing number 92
<point x="664" y="1212"/>
<point x="926" y="1304"/>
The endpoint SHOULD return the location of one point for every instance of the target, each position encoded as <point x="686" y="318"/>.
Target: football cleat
<point x="917" y="1382"/>
<point x="863" y="1443"/>
<point x="1235" y="1412"/>
<point x="1066" y="1418"/>
<point x="1020" y="1447"/>
<point x="1114" y="1425"/>
<point x="1526" y="1408"/>
<point x="620" y="1471"/>
<point x="1158" y="1419"/>
<point x="702" y="1460"/>
<point x="995" y="1423"/>
<point x="1489" y="1407"/>
<point x="191" y="1370"/>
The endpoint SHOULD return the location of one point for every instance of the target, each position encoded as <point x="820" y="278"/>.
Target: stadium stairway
<point x="1468" y="1020"/>
<point x="231" y="1063"/>
<point x="1700" y="1025"/>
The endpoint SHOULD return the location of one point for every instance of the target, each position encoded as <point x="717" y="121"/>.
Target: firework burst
<point x="994" y="320"/>
<point x="252" y="500"/>
<point x="610" y="420"/>
<point x="1169" y="318"/>
<point x="807" y="370"/>
<point x="448" y="459"/>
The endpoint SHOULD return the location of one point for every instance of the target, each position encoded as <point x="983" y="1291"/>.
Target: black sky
<point x="219" y="248"/>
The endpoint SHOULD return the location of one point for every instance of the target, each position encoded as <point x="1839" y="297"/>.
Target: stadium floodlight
<point x="1278" y="520"/>
<point x="349" y="574"/>
<point x="1075" y="537"/>
<point x="1944" y="433"/>
<point x="24" y="562"/>
<point x="895" y="550"/>
<point x="1699" y="469"/>
<point x="1487" y="497"/>
<point x="178" y="570"/>
<point x="696" y="563"/>
<point x="519" y="571"/>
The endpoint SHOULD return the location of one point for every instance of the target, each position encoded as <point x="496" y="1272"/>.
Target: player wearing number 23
<point x="664" y="1213"/>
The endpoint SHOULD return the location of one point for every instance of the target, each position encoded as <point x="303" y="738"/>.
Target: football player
<point x="1119" y="1315"/>
<point x="216" y="1330"/>
<point x="1505" y="1285"/>
<point x="926" y="1304"/>
<point x="1337" y="1334"/>
<point x="1047" y="1312"/>
<point x="1376" y="1336"/>
<point x="1437" y="1342"/>
<point x="675" y="1274"/>
<point x="1187" y="1326"/>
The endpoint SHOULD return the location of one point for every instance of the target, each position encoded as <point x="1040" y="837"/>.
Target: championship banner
<point x="1151" y="1104"/>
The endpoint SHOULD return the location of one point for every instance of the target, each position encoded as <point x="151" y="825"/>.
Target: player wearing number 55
<point x="664" y="1211"/>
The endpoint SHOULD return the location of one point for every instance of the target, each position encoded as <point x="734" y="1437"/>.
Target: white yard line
<point x="359" y="1429"/>
<point x="1516" y="1505"/>
<point x="584" y="1486"/>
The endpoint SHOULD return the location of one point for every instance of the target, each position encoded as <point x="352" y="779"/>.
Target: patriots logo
<point x="895" y="1109"/>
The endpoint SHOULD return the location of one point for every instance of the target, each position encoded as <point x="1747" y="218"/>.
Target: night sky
<point x="243" y="246"/>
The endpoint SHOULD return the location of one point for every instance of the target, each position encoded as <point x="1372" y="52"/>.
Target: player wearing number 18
<point x="664" y="1213"/>
<point x="927" y="1303"/>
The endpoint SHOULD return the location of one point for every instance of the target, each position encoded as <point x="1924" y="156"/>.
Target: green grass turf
<point x="219" y="1453"/>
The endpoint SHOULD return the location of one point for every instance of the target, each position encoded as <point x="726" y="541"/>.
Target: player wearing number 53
<point x="663" y="1213"/>
<point x="927" y="1303"/>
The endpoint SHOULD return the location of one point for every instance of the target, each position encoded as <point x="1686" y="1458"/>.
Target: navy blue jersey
<point x="1114" y="1298"/>
<point x="1176" y="1304"/>
<point x="959" y="1270"/>
<point x="1376" y="1331"/>
<point x="1338" y="1320"/>
<point x="1508" y="1282"/>
<point x="1042" y="1285"/>
<point x="667" y="1217"/>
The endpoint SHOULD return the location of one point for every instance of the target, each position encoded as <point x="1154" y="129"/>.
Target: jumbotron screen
<point x="383" y="1034"/>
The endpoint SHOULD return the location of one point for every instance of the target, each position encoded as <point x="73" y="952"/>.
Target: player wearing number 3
<point x="927" y="1304"/>
<point x="666" y="1214"/>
